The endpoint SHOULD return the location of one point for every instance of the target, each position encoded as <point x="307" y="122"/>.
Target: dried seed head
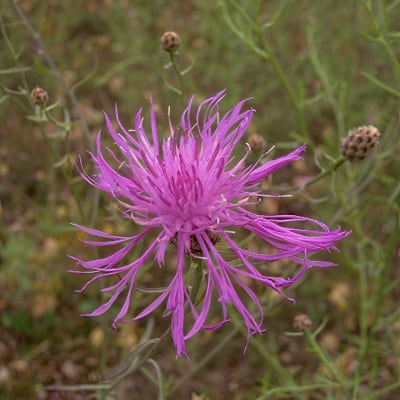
<point x="170" y="41"/>
<point x="302" y="322"/>
<point x="257" y="143"/>
<point x="39" y="96"/>
<point x="359" y="142"/>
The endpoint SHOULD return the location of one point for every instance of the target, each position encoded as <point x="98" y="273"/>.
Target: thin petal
<point x="260" y="173"/>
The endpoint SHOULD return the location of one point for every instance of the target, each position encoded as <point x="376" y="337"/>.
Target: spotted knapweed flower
<point x="187" y="191"/>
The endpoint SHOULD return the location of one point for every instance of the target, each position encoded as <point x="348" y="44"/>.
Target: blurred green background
<point x="315" y="71"/>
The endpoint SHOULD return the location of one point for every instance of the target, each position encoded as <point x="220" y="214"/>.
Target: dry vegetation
<point x="340" y="70"/>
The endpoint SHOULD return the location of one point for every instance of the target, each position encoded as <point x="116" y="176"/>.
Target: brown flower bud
<point x="39" y="96"/>
<point x="360" y="142"/>
<point x="257" y="143"/>
<point x="302" y="322"/>
<point x="170" y="41"/>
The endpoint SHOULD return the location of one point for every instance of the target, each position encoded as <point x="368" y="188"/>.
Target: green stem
<point x="363" y="321"/>
<point x="323" y="357"/>
<point x="322" y="175"/>
<point x="209" y="355"/>
<point x="75" y="388"/>
<point x="51" y="63"/>
<point x="66" y="176"/>
<point x="197" y="270"/>
<point x="268" y="356"/>
<point x="13" y="53"/>
<point x="381" y="37"/>
<point x="287" y="87"/>
<point x="273" y="361"/>
<point x="58" y="124"/>
<point x="177" y="71"/>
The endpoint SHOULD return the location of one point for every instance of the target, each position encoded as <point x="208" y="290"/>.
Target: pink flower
<point x="190" y="191"/>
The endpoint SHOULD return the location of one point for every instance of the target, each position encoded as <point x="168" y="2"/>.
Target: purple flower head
<point x="188" y="192"/>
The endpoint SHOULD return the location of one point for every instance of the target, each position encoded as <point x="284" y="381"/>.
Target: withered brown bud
<point x="257" y="143"/>
<point x="39" y="96"/>
<point x="302" y="322"/>
<point x="360" y="142"/>
<point x="170" y="41"/>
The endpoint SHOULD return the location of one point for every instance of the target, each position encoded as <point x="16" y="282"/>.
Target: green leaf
<point x="36" y="118"/>
<point x="4" y="98"/>
<point x="61" y="162"/>
<point x="297" y="136"/>
<point x="381" y="84"/>
<point x="15" y="70"/>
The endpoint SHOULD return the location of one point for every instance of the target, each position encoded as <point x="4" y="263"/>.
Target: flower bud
<point x="170" y="41"/>
<point x="302" y="322"/>
<point x="360" y="142"/>
<point x="257" y="143"/>
<point x="39" y="96"/>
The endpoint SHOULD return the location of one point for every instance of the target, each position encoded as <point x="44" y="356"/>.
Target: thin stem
<point x="381" y="38"/>
<point x="325" y="80"/>
<point x="74" y="192"/>
<point x="177" y="71"/>
<point x="50" y="61"/>
<point x="388" y="257"/>
<point x="286" y="86"/>
<point x="269" y="357"/>
<point x="275" y="364"/>
<point x="296" y="389"/>
<point x="323" y="174"/>
<point x="13" y="52"/>
<point x="204" y="361"/>
<point x="379" y="393"/>
<point x="138" y="362"/>
<point x="75" y="388"/>
<point x="363" y="320"/>
<point x="197" y="270"/>
<point x="323" y="357"/>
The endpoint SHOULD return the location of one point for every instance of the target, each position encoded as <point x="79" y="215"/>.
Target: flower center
<point x="195" y="247"/>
